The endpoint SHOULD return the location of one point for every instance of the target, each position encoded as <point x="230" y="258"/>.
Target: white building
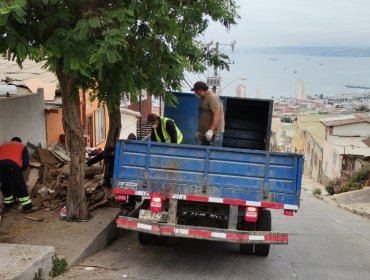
<point x="346" y="146"/>
<point x="241" y="91"/>
<point x="23" y="115"/>
<point x="300" y="89"/>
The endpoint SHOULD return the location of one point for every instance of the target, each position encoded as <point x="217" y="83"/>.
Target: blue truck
<point x="204" y="192"/>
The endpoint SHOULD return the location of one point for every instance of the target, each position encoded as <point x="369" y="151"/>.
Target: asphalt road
<point x="325" y="242"/>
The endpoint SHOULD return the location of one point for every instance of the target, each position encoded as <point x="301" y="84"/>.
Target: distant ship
<point x="295" y="72"/>
<point x="273" y="59"/>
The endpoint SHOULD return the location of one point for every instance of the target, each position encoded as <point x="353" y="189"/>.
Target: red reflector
<point x="251" y="214"/>
<point x="121" y="197"/>
<point x="288" y="213"/>
<point x="156" y="203"/>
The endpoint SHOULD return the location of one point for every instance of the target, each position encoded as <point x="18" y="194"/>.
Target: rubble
<point x="47" y="179"/>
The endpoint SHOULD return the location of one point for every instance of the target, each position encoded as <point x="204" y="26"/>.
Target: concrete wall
<point x="313" y="159"/>
<point x="332" y="161"/>
<point x="353" y="129"/>
<point x="23" y="116"/>
<point x="54" y="125"/>
<point x="128" y="122"/>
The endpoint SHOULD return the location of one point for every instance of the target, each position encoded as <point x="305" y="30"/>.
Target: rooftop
<point x="348" y="119"/>
<point x="32" y="75"/>
<point x="356" y="146"/>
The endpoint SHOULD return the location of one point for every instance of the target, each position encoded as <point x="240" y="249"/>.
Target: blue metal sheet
<point x="202" y="170"/>
<point x="185" y="115"/>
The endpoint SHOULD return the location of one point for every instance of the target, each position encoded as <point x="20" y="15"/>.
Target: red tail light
<point x="288" y="213"/>
<point x="251" y="214"/>
<point x="156" y="203"/>
<point x="121" y="197"/>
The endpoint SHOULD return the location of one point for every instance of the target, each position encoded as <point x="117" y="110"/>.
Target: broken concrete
<point x="25" y="261"/>
<point x="49" y="235"/>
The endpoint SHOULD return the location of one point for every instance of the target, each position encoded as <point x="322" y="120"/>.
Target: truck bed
<point x="210" y="174"/>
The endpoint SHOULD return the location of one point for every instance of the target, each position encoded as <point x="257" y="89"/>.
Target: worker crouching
<point x="164" y="130"/>
<point x="14" y="159"/>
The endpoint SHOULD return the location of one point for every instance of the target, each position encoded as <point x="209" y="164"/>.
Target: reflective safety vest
<point x="12" y="151"/>
<point x="166" y="136"/>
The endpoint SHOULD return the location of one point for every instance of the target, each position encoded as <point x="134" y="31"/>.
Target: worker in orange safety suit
<point x="14" y="159"/>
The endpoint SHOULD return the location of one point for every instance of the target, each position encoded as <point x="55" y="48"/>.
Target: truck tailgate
<point x="205" y="171"/>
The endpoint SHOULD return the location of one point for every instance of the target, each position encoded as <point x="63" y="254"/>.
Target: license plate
<point x="148" y="215"/>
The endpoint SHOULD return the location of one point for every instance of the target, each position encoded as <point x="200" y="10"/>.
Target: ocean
<point x="274" y="73"/>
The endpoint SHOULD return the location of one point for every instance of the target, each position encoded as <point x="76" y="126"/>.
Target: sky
<point x="291" y="23"/>
<point x="296" y="23"/>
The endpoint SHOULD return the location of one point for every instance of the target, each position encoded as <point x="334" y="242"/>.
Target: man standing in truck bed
<point x="211" y="121"/>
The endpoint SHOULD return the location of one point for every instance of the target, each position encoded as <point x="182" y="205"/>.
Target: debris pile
<point x="48" y="179"/>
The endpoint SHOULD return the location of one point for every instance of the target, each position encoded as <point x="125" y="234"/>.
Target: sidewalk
<point x="357" y="202"/>
<point x="28" y="241"/>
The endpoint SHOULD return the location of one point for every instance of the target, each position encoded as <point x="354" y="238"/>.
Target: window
<point x="99" y="126"/>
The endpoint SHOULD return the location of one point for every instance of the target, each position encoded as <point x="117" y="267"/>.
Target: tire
<point x="247" y="249"/>
<point x="151" y="239"/>
<point x="160" y="240"/>
<point x="263" y="224"/>
<point x="145" y="238"/>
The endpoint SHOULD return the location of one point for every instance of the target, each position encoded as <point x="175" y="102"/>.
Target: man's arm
<point x="171" y="130"/>
<point x="152" y="136"/>
<point x="25" y="159"/>
<point x="215" y="118"/>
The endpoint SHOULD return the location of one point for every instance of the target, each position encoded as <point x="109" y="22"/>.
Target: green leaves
<point x="16" y="9"/>
<point x="116" y="46"/>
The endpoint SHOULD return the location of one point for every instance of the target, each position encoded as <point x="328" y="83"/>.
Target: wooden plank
<point x="172" y="211"/>
<point x="93" y="170"/>
<point x="233" y="217"/>
<point x="35" y="164"/>
<point x="61" y="156"/>
<point x="91" y="182"/>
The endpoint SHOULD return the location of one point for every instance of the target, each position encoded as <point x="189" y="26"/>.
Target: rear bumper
<point x="195" y="232"/>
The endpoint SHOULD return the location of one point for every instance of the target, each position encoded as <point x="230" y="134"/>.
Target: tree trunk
<point x="113" y="134"/>
<point x="76" y="197"/>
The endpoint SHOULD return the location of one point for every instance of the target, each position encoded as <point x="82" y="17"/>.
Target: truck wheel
<point x="160" y="240"/>
<point x="263" y="224"/>
<point x="145" y="238"/>
<point x="247" y="249"/>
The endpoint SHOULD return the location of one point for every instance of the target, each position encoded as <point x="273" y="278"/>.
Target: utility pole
<point x="215" y="81"/>
<point x="214" y="89"/>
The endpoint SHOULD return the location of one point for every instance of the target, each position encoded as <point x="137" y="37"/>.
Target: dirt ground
<point x="29" y="228"/>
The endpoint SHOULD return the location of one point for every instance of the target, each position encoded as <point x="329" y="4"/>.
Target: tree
<point x="111" y="46"/>
<point x="158" y="48"/>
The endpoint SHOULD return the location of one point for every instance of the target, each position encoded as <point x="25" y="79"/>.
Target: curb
<point x="341" y="206"/>
<point x="25" y="261"/>
<point x="354" y="211"/>
<point x="100" y="241"/>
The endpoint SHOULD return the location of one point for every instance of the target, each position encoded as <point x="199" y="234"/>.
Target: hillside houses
<point x="333" y="146"/>
<point x="347" y="145"/>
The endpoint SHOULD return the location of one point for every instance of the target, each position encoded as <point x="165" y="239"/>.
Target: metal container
<point x="247" y="120"/>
